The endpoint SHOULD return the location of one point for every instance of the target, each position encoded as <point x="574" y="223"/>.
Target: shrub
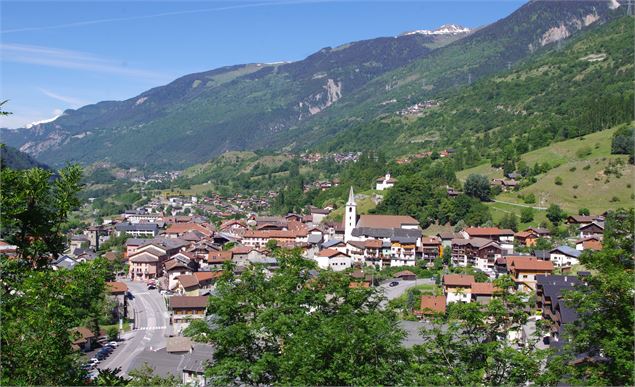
<point x="558" y="180"/>
<point x="530" y="198"/>
<point x="572" y="169"/>
<point x="575" y="186"/>
<point x="583" y="152"/>
<point x="587" y="167"/>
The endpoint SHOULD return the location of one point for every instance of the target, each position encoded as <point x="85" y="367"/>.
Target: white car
<point x="94" y="361"/>
<point x="113" y="344"/>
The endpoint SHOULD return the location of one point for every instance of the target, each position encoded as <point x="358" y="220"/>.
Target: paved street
<point x="396" y="291"/>
<point x="151" y="327"/>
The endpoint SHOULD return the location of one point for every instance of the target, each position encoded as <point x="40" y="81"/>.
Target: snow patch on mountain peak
<point x="446" y="29"/>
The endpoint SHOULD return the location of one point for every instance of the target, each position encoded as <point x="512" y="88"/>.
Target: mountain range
<point x="303" y="104"/>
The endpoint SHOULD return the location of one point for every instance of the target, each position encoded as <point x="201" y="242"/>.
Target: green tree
<point x="297" y="329"/>
<point x="555" y="214"/>
<point x="584" y="211"/>
<point x="477" y="186"/>
<point x="604" y="329"/>
<point x="509" y="221"/>
<point x="526" y="215"/>
<point x="470" y="346"/>
<point x="33" y="210"/>
<point x="145" y="376"/>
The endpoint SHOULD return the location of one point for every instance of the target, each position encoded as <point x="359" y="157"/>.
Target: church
<point x="400" y="236"/>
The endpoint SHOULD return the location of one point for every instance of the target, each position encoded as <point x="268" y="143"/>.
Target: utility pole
<point x="469" y="78"/>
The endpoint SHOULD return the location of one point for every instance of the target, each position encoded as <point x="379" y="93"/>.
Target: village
<point x="169" y="264"/>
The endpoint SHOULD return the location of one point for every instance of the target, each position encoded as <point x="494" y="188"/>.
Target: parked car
<point x="151" y="286"/>
<point x="393" y="284"/>
<point x="93" y="361"/>
<point x="113" y="344"/>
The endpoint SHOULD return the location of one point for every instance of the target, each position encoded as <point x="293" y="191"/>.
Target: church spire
<point x="351" y="197"/>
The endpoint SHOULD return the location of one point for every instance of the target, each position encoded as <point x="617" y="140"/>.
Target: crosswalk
<point x="149" y="328"/>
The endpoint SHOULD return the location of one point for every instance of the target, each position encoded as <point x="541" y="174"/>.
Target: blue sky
<point x="59" y="55"/>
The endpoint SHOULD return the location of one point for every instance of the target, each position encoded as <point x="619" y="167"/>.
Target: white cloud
<point x="70" y="59"/>
<point x="74" y="102"/>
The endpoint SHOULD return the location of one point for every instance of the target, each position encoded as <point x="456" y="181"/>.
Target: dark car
<point x="393" y="284"/>
<point x="151" y="286"/>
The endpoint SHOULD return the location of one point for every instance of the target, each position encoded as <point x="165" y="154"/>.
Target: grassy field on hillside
<point x="597" y="144"/>
<point x="582" y="165"/>
<point x="364" y="205"/>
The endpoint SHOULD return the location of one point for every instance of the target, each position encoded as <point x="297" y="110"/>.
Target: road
<point x="396" y="291"/>
<point x="150" y="330"/>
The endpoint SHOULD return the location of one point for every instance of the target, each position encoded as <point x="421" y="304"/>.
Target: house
<point x="479" y="252"/>
<point x="524" y="269"/>
<point x="233" y="226"/>
<point x="333" y="259"/>
<point x="132" y="244"/>
<point x="8" y="249"/>
<point x="318" y="214"/>
<point x="564" y="256"/>
<point x="179" y="229"/>
<point x="184" y="308"/>
<point x="591" y="229"/>
<point x="194" y="364"/>
<point x="147" y="262"/>
<point x="175" y="267"/>
<point x="431" y="305"/>
<point x="457" y="287"/>
<point x="216" y="259"/>
<point x="385" y="182"/>
<point x="118" y="290"/>
<point x="526" y="238"/>
<point x="504" y="237"/>
<point x="187" y="284"/>
<point x="583" y="219"/>
<point x="178" y="344"/>
<point x="482" y="292"/>
<point x="589" y="243"/>
<point x="259" y="238"/>
<point x="145" y="230"/>
<point x="63" y="262"/>
<point x="79" y="242"/>
<point x="540" y="231"/>
<point x="549" y="300"/>
<point x="430" y="248"/>
<point x="83" y="339"/>
<point x="405" y="275"/>
<point x="207" y="279"/>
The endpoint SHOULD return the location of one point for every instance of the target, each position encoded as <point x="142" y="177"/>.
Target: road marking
<point x="150" y="328"/>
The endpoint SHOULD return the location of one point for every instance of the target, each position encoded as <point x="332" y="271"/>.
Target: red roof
<point x="242" y="249"/>
<point x="330" y="253"/>
<point x="458" y="279"/>
<point x="432" y="305"/>
<point x="202" y="276"/>
<point x="116" y="287"/>
<point x="486" y="288"/>
<point x="487" y="231"/>
<point x="181" y="228"/>
<point x="528" y="264"/>
<point x="219" y="256"/>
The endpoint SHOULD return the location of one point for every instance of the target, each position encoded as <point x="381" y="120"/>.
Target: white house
<point x="458" y="287"/>
<point x="564" y="256"/>
<point x="385" y="182"/>
<point x="333" y="259"/>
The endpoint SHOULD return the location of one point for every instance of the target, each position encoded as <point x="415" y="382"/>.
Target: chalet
<point x="259" y="238"/>
<point x="446" y="239"/>
<point x="132" y="244"/>
<point x="185" y="308"/>
<point x="457" y="287"/>
<point x="482" y="292"/>
<point x="236" y="227"/>
<point x="540" y="231"/>
<point x="63" y="262"/>
<point x="584" y="219"/>
<point x="504" y="237"/>
<point x="549" y="301"/>
<point x="318" y="214"/>
<point x="430" y="248"/>
<point x="79" y="242"/>
<point x="385" y="182"/>
<point x="333" y="259"/>
<point x="526" y="238"/>
<point x="431" y="305"/>
<point x="505" y="184"/>
<point x="207" y="279"/>
<point x="564" y="256"/>
<point x="117" y="291"/>
<point x="524" y="269"/>
<point x="479" y="252"/>
<point x="592" y="229"/>
<point x="83" y="339"/>
<point x="589" y="243"/>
